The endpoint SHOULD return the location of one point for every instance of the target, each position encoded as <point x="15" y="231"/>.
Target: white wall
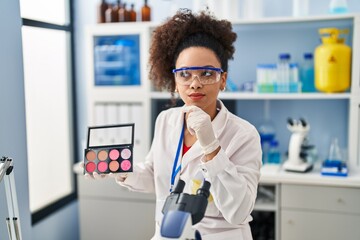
<point x="85" y="14"/>
<point x="12" y="112"/>
<point x="64" y="223"/>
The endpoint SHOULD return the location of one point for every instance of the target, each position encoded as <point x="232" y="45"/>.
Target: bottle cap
<point x="284" y="56"/>
<point x="308" y="55"/>
<point x="293" y="65"/>
<point x="274" y="143"/>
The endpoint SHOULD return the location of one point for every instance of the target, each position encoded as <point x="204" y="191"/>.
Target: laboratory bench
<point x="309" y="205"/>
<point x="301" y="205"/>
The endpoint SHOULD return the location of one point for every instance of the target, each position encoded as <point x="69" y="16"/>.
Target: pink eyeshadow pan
<point x="125" y="153"/>
<point x="125" y="165"/>
<point x="102" y="166"/>
<point x="90" y="167"/>
<point x="114" y="154"/>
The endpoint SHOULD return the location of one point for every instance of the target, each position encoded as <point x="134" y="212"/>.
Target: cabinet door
<point x="300" y="225"/>
<point x="320" y="198"/>
<point x="114" y="219"/>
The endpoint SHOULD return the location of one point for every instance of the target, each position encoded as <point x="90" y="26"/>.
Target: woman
<point x="189" y="55"/>
<point x="201" y="140"/>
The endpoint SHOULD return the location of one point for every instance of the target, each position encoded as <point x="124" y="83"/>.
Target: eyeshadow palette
<point x="113" y="155"/>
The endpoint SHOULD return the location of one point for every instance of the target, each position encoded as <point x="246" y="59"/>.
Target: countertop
<point x="272" y="174"/>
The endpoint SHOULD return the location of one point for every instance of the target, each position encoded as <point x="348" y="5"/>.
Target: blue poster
<point x="117" y="60"/>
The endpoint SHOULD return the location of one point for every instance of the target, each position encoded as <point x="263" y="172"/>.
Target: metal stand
<point x="13" y="220"/>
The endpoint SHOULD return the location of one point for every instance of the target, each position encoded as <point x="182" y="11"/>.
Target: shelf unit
<point x="258" y="41"/>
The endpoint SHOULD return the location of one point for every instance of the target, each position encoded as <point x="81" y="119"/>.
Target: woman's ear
<point x="223" y="81"/>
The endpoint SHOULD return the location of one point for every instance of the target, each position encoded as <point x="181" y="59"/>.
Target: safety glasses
<point x="205" y="75"/>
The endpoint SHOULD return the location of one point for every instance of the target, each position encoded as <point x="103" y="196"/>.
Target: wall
<point x="162" y="9"/>
<point x="61" y="225"/>
<point x="12" y="110"/>
<point x="64" y="223"/>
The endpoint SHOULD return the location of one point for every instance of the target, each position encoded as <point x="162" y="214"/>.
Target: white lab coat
<point x="233" y="173"/>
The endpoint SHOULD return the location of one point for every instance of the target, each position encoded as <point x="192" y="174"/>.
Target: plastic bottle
<point x="307" y="73"/>
<point x="101" y="11"/>
<point x="283" y="72"/>
<point x="294" y="78"/>
<point x="338" y="6"/>
<point x="145" y="12"/>
<point x="332" y="61"/>
<point x="274" y="155"/>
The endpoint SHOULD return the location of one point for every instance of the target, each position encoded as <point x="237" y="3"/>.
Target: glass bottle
<point x="307" y="73"/>
<point x="115" y="9"/>
<point x="108" y="13"/>
<point x="145" y="12"/>
<point x="127" y="13"/>
<point x="132" y="14"/>
<point x="334" y="152"/>
<point x="121" y="13"/>
<point x="267" y="134"/>
<point x="101" y="11"/>
<point x="274" y="155"/>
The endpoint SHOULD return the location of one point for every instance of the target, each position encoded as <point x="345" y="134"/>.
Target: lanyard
<point x="175" y="170"/>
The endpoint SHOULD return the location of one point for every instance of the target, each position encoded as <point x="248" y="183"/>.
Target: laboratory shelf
<point x="274" y="20"/>
<point x="265" y="96"/>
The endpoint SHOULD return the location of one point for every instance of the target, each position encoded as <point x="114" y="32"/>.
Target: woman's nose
<point x="195" y="83"/>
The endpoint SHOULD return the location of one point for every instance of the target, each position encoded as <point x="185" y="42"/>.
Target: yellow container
<point x="332" y="62"/>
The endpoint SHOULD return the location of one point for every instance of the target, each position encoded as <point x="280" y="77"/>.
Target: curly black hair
<point x="186" y="29"/>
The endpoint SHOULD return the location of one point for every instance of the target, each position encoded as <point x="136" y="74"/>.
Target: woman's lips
<point x="196" y="96"/>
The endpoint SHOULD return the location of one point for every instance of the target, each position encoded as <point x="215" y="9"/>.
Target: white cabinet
<point x="318" y="212"/>
<point x="110" y="212"/>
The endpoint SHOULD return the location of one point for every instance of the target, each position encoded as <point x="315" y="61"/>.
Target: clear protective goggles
<point x="205" y="75"/>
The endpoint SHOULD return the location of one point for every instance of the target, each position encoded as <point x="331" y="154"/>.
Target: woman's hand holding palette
<point x="115" y="156"/>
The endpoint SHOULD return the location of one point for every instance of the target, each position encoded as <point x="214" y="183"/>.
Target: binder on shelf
<point x="123" y="115"/>
<point x="136" y="116"/>
<point x="99" y="120"/>
<point x="111" y="119"/>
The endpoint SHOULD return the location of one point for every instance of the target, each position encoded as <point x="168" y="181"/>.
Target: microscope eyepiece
<point x="179" y="187"/>
<point x="290" y="121"/>
<point x="204" y="190"/>
<point x="303" y="122"/>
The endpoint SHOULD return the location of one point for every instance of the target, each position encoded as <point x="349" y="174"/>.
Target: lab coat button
<point x="204" y="170"/>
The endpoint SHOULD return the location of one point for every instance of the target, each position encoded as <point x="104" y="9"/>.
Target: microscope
<point x="295" y="163"/>
<point x="182" y="210"/>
